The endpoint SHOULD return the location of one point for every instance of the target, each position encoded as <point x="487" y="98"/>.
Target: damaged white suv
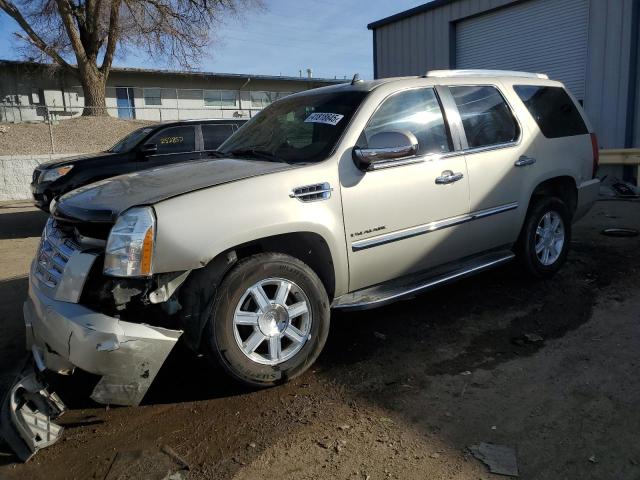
<point x="344" y="197"/>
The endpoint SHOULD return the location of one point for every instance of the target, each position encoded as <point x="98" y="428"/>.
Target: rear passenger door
<point x="214" y="134"/>
<point x="174" y="144"/>
<point x="493" y="142"/>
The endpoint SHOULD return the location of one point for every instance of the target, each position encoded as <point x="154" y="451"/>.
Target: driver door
<point x="401" y="219"/>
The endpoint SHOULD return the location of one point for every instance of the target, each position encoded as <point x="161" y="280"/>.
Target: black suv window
<point x="214" y="134"/>
<point x="486" y="117"/>
<point x="417" y="111"/>
<point x="175" y="140"/>
<point x="553" y="110"/>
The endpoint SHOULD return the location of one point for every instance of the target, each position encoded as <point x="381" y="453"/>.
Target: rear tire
<point x="544" y="241"/>
<point x="270" y="320"/>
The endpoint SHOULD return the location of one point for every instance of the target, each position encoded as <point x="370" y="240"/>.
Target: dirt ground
<point x="75" y="135"/>
<point x="400" y="392"/>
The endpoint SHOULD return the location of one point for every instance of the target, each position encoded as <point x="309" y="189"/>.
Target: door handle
<point x="523" y="161"/>
<point x="448" y="177"/>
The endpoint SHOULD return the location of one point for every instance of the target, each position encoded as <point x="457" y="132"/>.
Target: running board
<point x="384" y="293"/>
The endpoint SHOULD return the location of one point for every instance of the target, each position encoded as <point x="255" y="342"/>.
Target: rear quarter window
<point x="486" y="118"/>
<point x="553" y="110"/>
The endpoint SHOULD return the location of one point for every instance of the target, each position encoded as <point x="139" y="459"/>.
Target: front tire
<point x="544" y="241"/>
<point x="270" y="320"/>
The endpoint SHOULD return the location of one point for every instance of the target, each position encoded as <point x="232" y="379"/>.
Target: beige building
<point x="29" y="90"/>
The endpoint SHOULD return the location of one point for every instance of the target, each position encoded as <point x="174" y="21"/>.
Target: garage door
<point x="543" y="36"/>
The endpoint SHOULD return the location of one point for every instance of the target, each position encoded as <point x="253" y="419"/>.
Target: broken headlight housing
<point x="129" y="251"/>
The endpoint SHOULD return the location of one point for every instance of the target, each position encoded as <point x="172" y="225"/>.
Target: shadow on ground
<point x="21" y="224"/>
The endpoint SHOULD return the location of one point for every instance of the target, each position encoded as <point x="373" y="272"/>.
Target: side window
<point x="175" y="140"/>
<point x="486" y="117"/>
<point x="416" y="111"/>
<point x="553" y="110"/>
<point x="213" y="135"/>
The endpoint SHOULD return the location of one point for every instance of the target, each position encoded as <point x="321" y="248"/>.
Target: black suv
<point x="145" y="148"/>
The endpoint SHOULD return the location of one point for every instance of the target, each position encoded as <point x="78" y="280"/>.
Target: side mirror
<point x="385" y="149"/>
<point x="148" y="149"/>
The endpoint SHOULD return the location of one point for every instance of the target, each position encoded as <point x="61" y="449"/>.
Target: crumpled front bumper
<point x="64" y="335"/>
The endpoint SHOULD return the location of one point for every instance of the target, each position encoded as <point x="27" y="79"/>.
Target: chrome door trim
<point x="429" y="227"/>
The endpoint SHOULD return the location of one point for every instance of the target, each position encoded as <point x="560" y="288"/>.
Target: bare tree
<point x="171" y="31"/>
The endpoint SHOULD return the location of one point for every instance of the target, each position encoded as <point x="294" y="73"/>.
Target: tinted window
<point x="553" y="110"/>
<point x="416" y="111"/>
<point x="130" y="141"/>
<point x="175" y="140"/>
<point x="298" y="129"/>
<point x="214" y="135"/>
<point x="486" y="117"/>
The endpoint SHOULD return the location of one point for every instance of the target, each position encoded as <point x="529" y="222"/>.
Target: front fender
<point x="194" y="228"/>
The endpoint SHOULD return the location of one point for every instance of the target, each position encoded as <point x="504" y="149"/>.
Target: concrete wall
<point x="16" y="172"/>
<point x="426" y="41"/>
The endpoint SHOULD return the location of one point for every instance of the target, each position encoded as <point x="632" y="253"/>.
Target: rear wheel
<point x="270" y="320"/>
<point x="544" y="241"/>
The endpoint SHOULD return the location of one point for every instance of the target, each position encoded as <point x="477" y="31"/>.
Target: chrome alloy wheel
<point x="550" y="236"/>
<point x="272" y="321"/>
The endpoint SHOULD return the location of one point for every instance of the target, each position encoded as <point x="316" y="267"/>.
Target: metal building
<point x="590" y="45"/>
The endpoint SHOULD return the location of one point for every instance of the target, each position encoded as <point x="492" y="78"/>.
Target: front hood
<point x="105" y="200"/>
<point x="75" y="159"/>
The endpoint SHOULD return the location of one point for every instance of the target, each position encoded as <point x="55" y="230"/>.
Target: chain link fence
<point x="58" y="125"/>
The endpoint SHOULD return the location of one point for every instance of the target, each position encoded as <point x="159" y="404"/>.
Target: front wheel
<point x="270" y="320"/>
<point x="544" y="241"/>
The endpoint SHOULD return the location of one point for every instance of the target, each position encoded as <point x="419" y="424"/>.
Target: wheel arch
<point x="562" y="186"/>
<point x="197" y="293"/>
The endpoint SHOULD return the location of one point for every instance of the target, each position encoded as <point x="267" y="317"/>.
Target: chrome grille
<point x="36" y="175"/>
<point x="56" y="247"/>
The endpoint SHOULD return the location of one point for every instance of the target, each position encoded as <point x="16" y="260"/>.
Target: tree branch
<point x="34" y="38"/>
<point x="66" y="15"/>
<point x="112" y="39"/>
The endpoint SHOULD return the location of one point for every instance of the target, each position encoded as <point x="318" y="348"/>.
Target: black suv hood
<point x="76" y="159"/>
<point x="105" y="200"/>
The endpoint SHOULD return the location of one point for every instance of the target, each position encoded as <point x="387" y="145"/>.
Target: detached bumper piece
<point x="26" y="419"/>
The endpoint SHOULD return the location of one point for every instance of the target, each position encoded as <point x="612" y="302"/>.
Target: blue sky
<point x="329" y="36"/>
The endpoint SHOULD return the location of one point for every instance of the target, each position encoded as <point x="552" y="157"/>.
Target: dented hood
<point x="104" y="201"/>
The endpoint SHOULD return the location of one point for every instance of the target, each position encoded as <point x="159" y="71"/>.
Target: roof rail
<point x="480" y="73"/>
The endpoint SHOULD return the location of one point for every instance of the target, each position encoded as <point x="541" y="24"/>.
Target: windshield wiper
<point x="261" y="154"/>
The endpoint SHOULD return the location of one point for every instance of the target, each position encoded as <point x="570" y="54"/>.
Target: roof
<point x="191" y="73"/>
<point x="425" y="7"/>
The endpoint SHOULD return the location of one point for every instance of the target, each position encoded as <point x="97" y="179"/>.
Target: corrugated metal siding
<point x="606" y="94"/>
<point x="413" y="45"/>
<point x="545" y="36"/>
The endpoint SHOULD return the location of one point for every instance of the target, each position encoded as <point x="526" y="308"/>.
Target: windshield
<point x="130" y="141"/>
<point x="297" y="129"/>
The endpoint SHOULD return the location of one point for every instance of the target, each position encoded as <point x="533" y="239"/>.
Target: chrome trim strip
<point x="430" y="284"/>
<point x="429" y="227"/>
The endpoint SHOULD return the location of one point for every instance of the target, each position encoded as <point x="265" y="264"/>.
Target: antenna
<point x="356" y="79"/>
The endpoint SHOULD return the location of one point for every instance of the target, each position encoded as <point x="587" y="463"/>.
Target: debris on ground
<point x="26" y="417"/>
<point x="593" y="459"/>
<point x="146" y="464"/>
<point x="528" y="338"/>
<point x="379" y="335"/>
<point x="499" y="458"/>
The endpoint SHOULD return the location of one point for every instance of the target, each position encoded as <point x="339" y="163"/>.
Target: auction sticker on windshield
<point x="328" y="118"/>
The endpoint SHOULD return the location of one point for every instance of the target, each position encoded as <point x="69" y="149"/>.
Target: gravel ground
<point x="400" y="392"/>
<point x="76" y="135"/>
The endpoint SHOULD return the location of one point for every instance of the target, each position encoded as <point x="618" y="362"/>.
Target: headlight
<point x="55" y="173"/>
<point x="130" y="245"/>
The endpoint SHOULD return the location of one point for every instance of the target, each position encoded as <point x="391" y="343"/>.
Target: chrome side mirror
<point x="384" y="149"/>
